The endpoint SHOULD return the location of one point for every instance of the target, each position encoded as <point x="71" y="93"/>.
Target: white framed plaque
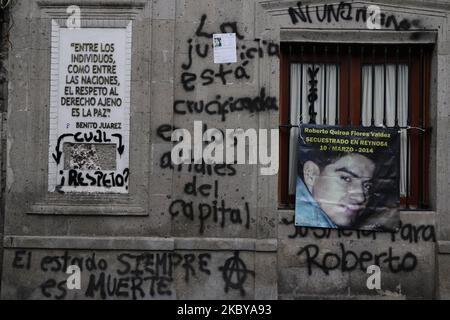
<point x="90" y="110"/>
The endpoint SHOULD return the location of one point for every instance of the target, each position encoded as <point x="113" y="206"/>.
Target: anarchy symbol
<point x="235" y="273"/>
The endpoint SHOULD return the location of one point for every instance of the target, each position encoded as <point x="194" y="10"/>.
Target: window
<point x="359" y="85"/>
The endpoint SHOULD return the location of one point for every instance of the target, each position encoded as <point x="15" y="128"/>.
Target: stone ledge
<point x="139" y="243"/>
<point x="87" y="210"/>
<point x="360" y="36"/>
<point x="436" y="6"/>
<point x="85" y="243"/>
<point x="444" y="247"/>
<point x="223" y="244"/>
<point x="94" y="9"/>
<point x="93" y="3"/>
<point x="403" y="214"/>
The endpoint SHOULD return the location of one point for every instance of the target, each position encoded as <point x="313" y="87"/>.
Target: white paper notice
<point x="224" y="48"/>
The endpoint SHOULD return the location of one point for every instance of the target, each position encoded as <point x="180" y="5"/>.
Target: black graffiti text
<point x="221" y="74"/>
<point x="216" y="212"/>
<point x="209" y="76"/>
<point x="220" y="170"/>
<point x="346" y="12"/>
<point x="407" y="232"/>
<point x="346" y="260"/>
<point x="220" y="107"/>
<point x="78" y="178"/>
<point x="312" y="96"/>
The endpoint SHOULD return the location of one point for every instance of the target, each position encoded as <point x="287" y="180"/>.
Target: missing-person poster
<point x="348" y="178"/>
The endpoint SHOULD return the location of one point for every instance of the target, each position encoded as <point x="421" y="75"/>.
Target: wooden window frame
<point x="350" y="59"/>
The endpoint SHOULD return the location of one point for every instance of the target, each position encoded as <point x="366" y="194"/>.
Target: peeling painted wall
<point x="4" y="23"/>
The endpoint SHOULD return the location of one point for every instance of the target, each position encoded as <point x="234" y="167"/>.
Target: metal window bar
<point x="396" y="85"/>
<point x="325" y="89"/>
<point x="349" y="84"/>
<point x="385" y="88"/>
<point x="408" y="133"/>
<point x="312" y="107"/>
<point x="320" y="107"/>
<point x="361" y="96"/>
<point x="421" y="129"/>
<point x="373" y="87"/>
<point x="420" y="133"/>
<point x="337" y="87"/>
<point x="421" y="137"/>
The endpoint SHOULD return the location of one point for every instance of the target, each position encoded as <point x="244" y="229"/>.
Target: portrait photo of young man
<point x="344" y="190"/>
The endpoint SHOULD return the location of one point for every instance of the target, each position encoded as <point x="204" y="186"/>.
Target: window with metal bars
<point x="359" y="85"/>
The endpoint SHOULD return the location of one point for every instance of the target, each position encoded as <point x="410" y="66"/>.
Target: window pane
<point x="373" y="104"/>
<point x="318" y="83"/>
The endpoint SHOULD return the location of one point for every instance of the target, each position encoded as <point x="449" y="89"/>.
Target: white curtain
<point x="299" y="101"/>
<point x="391" y="96"/>
<point x="300" y="88"/>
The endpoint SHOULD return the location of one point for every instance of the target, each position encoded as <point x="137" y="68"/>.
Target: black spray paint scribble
<point x="209" y="76"/>
<point x="220" y="107"/>
<point x="213" y="211"/>
<point x="222" y="73"/>
<point x="130" y="276"/>
<point x="220" y="170"/>
<point x="205" y="206"/>
<point x="226" y="27"/>
<point x="98" y="136"/>
<point x="407" y="232"/>
<point x="346" y="260"/>
<point x="313" y="93"/>
<point x="81" y="178"/>
<point x="235" y="274"/>
<point x="147" y="275"/>
<point x="99" y="178"/>
<point x="206" y="213"/>
<point x="164" y="132"/>
<point x="346" y="12"/>
<point x="58" y="153"/>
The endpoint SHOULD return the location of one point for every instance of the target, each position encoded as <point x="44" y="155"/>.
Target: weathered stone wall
<point x="165" y="241"/>
<point x="4" y="45"/>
